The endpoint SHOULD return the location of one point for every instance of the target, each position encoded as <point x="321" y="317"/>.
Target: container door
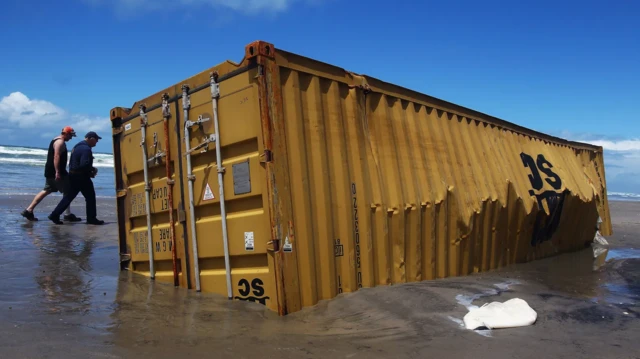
<point x="131" y="167"/>
<point x="245" y="197"/>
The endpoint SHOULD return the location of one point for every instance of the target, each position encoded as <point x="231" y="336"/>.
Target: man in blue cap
<point x="81" y="171"/>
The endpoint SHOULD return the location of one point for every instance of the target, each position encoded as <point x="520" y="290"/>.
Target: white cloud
<point x="621" y="161"/>
<point x="241" y="6"/>
<point x="624" y="145"/>
<point x="88" y="123"/>
<point x="19" y="112"/>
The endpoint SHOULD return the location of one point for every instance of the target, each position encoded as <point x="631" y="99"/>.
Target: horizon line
<point x="46" y="149"/>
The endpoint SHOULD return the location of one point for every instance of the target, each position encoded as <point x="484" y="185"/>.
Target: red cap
<point x="69" y="129"/>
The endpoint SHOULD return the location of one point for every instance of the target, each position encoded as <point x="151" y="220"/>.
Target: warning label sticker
<point x="287" y="245"/>
<point x="208" y="194"/>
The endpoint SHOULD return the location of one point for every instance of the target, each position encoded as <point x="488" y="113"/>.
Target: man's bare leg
<point x="37" y="199"/>
<point x="28" y="213"/>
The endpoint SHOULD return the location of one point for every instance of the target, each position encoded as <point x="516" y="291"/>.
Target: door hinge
<point x="182" y="216"/>
<point x="273" y="245"/>
<point x="125" y="257"/>
<point x="266" y="156"/>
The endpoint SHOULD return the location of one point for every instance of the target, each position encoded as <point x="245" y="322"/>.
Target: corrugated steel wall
<point x="386" y="189"/>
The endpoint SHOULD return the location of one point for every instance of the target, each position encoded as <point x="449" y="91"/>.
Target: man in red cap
<point x="55" y="173"/>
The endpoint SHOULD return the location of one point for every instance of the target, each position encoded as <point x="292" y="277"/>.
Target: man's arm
<point x="56" y="157"/>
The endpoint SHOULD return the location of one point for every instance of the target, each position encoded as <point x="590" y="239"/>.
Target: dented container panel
<point x="391" y="186"/>
<point x="335" y="181"/>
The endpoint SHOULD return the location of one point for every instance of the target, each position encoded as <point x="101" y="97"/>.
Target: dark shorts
<point x="52" y="185"/>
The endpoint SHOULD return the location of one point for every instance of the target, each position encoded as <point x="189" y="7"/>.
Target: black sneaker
<point x="95" y="221"/>
<point x="55" y="220"/>
<point x="28" y="215"/>
<point x="72" y="218"/>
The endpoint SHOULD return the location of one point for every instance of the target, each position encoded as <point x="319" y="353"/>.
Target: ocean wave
<point x="38" y="157"/>
<point x="41" y="163"/>
<point x="22" y="151"/>
<point x="23" y="161"/>
<point x="16" y="150"/>
<point x="38" y="163"/>
<point x="101" y="160"/>
<point x="622" y="196"/>
<point x="9" y="193"/>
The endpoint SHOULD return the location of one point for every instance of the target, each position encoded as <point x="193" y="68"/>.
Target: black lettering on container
<point x="255" y="287"/>
<point x="545" y="226"/>
<point x="140" y="242"/>
<point x="338" y="248"/>
<point x="356" y="231"/>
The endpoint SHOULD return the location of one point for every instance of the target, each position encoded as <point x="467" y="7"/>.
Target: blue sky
<point x="566" y="68"/>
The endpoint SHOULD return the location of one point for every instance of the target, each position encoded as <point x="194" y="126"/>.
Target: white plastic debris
<point x="600" y="245"/>
<point x="599" y="239"/>
<point x="512" y="313"/>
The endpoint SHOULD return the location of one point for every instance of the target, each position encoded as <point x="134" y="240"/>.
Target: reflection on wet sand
<point x="63" y="272"/>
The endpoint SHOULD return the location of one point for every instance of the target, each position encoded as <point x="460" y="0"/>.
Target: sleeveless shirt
<point x="49" y="168"/>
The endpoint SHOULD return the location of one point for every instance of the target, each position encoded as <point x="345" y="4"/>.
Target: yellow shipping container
<point x="332" y="181"/>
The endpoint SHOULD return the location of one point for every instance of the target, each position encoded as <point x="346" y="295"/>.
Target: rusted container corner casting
<point x="334" y="181"/>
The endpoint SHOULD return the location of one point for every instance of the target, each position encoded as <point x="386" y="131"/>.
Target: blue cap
<point x="92" y="134"/>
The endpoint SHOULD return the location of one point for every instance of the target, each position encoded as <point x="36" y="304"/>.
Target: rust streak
<point x="166" y="114"/>
<point x="276" y="235"/>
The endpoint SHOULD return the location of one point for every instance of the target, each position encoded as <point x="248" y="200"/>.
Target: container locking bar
<point x="147" y="187"/>
<point x="186" y="105"/>
<point x="209" y="139"/>
<point x="156" y="158"/>
<point x="198" y="122"/>
<point x="215" y="95"/>
<point x="166" y="115"/>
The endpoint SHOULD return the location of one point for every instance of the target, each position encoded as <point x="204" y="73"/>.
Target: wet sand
<point x="64" y="296"/>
